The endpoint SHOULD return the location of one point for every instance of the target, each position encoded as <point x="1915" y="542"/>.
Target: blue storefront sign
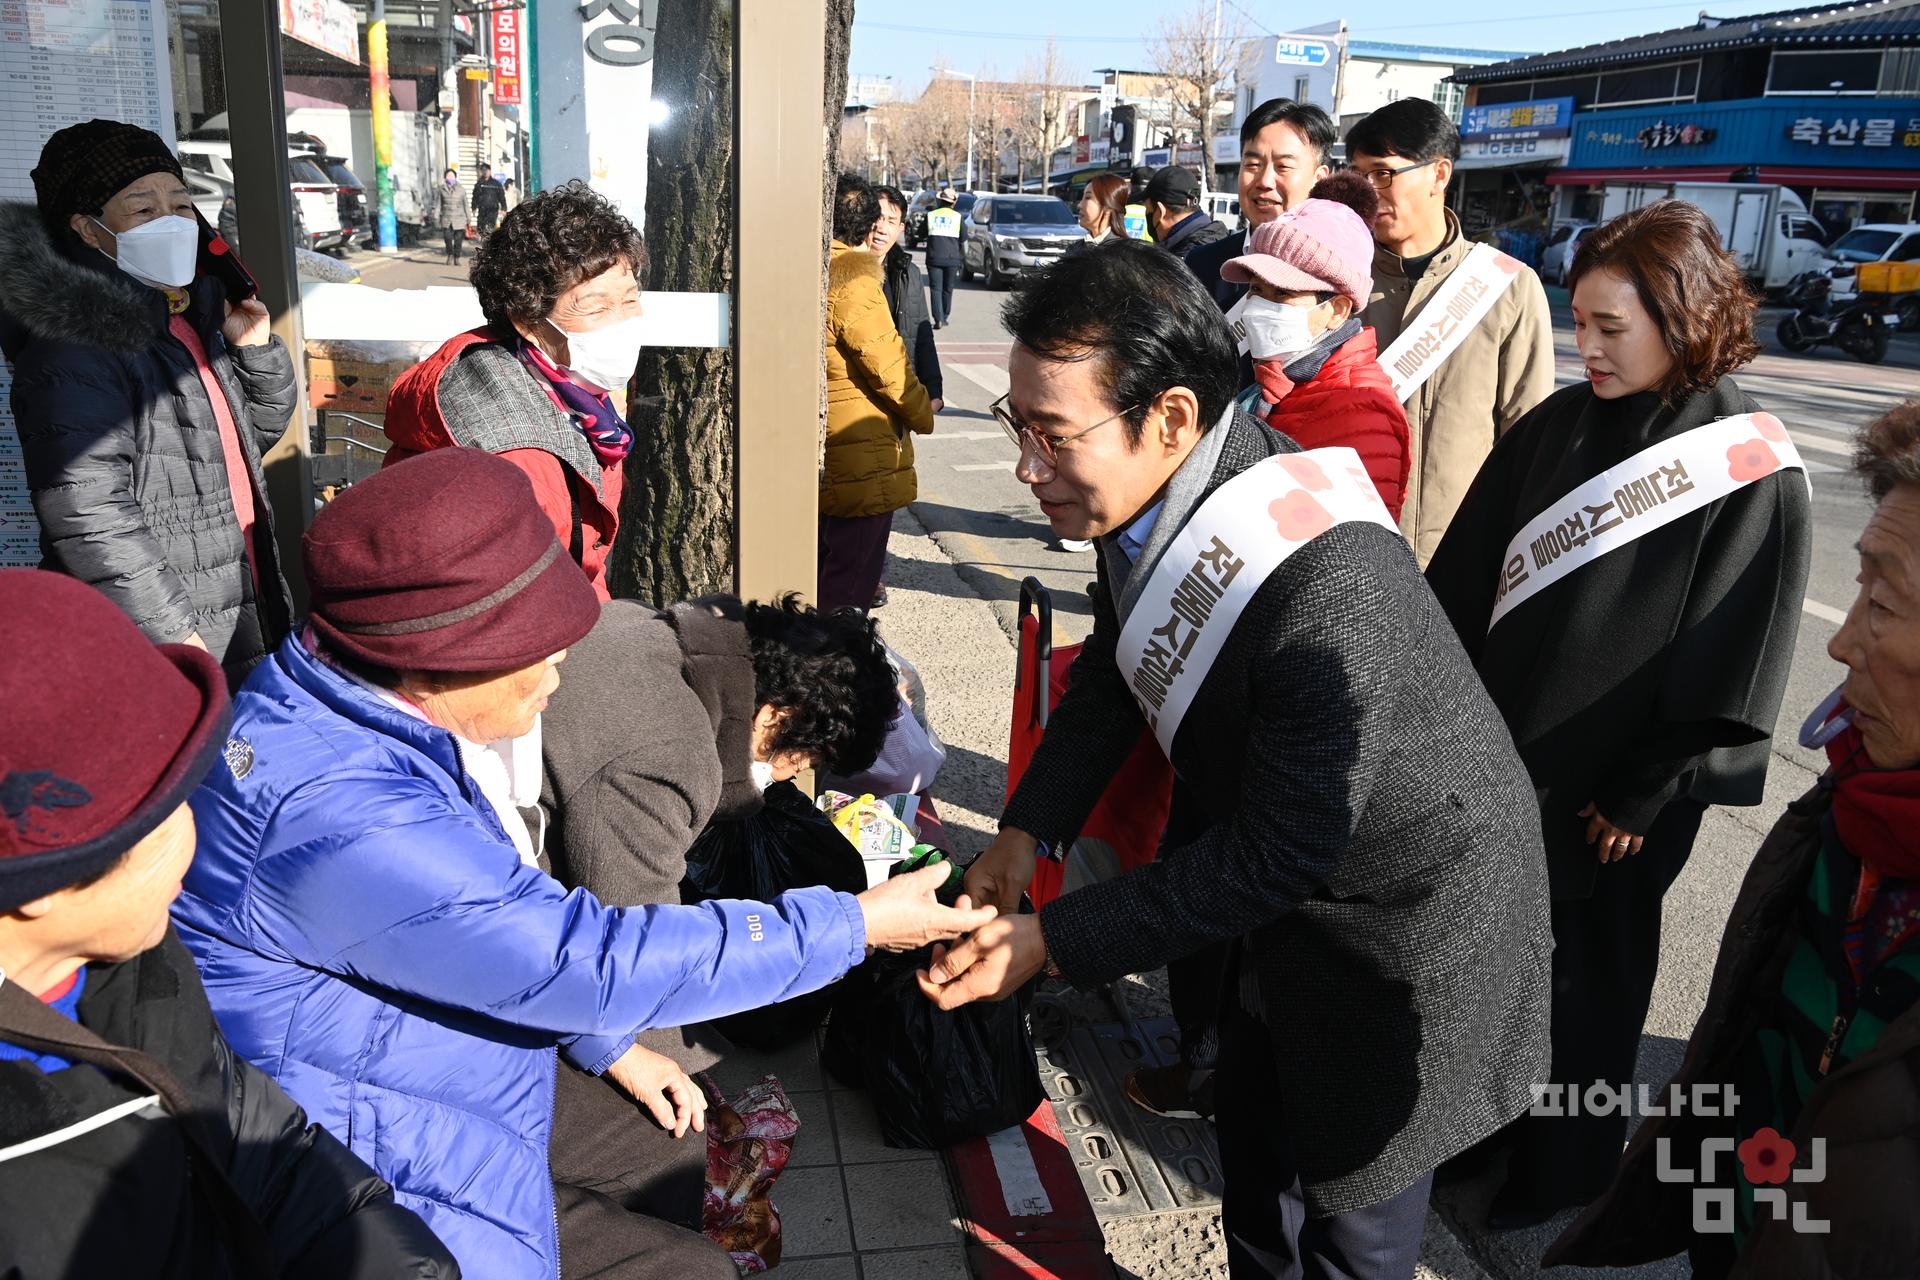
<point x="1849" y="133"/>
<point x="1518" y="121"/>
<point x="1300" y="52"/>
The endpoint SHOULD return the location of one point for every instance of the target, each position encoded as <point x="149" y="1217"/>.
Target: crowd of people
<point x="378" y="907"/>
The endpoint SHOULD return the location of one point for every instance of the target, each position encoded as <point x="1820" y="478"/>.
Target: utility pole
<point x="971" y="85"/>
<point x="382" y="121"/>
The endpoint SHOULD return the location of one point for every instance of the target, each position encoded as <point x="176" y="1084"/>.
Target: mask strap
<point x="1823" y="726"/>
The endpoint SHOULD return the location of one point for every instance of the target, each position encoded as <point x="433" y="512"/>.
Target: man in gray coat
<point x="1368" y="838"/>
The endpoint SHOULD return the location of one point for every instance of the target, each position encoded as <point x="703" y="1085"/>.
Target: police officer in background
<point x="943" y="255"/>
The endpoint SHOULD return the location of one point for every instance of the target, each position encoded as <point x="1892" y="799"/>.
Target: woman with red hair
<point x="1626" y="572"/>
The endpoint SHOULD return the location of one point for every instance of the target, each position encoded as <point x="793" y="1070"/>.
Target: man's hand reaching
<point x="658" y="1084"/>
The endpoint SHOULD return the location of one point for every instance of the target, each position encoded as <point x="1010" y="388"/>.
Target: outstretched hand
<point x="991" y="965"/>
<point x="1003" y="870"/>
<point x="658" y="1084"/>
<point x="902" y="914"/>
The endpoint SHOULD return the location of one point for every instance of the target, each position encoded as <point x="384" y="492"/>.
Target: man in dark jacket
<point x="906" y="292"/>
<point x="133" y="1142"/>
<point x="489" y="198"/>
<point x="1174" y="215"/>
<point x="1366" y="833"/>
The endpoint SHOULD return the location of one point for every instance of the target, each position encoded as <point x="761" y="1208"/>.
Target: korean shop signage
<point x="1857" y="131"/>
<point x="1518" y="121"/>
<point x="1876" y="133"/>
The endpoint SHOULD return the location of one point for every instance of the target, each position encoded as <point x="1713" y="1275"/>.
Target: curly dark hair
<point x="856" y="207"/>
<point x="1886" y="453"/>
<point x="548" y="244"/>
<point x="1671" y="252"/>
<point x="829" y="674"/>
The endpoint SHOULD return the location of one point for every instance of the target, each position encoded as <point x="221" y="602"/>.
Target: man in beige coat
<point x="1504" y="364"/>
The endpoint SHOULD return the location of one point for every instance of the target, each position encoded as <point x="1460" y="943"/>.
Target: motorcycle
<point x="1861" y="328"/>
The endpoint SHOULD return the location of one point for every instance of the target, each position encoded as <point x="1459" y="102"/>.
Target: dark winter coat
<point x="1194" y="231"/>
<point x="906" y="291"/>
<point x="649" y="737"/>
<point x="1867" y="1111"/>
<point x="489" y="197"/>
<point x="118" y="1199"/>
<point x="1654" y="672"/>
<point x="122" y="449"/>
<point x="1372" y="841"/>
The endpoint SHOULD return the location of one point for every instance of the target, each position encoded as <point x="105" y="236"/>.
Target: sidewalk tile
<point x="813" y="1212"/>
<point x="949" y="1263"/>
<point x="797" y="1065"/>
<point x="824" y="1269"/>
<point x="900" y="1205"/>
<point x="859" y="1131"/>
<point x="814" y="1145"/>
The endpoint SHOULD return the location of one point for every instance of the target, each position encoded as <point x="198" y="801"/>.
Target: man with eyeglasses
<point x="1463" y="330"/>
<point x="1355" y="824"/>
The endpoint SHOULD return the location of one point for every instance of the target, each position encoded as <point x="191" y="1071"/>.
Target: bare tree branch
<point x="1197" y="57"/>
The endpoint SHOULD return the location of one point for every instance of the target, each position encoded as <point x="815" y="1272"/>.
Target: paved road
<point x="987" y="523"/>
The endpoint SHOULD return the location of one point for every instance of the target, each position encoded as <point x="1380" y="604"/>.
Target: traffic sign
<point x="1294" y="51"/>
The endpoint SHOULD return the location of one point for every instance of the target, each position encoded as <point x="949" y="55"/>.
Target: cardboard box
<point x="351" y="386"/>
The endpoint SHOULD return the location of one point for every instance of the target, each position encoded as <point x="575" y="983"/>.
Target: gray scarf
<point x="1184" y="491"/>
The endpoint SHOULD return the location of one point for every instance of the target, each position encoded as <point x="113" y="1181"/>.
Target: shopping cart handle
<point x="1035" y="599"/>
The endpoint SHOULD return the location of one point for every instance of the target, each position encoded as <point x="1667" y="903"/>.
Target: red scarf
<point x="1274" y="382"/>
<point x="1876" y="811"/>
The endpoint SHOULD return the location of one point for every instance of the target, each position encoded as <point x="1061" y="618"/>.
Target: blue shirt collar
<point x="1132" y="540"/>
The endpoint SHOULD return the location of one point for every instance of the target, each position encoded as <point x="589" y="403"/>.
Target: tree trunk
<point x="839" y="43"/>
<point x="677" y="515"/>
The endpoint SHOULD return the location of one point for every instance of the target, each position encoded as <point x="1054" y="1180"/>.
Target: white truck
<point x="1766" y="228"/>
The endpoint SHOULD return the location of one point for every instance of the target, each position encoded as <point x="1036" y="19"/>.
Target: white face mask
<point x="164" y="252"/>
<point x="604" y="359"/>
<point x="1276" y="330"/>
<point x="762" y="771"/>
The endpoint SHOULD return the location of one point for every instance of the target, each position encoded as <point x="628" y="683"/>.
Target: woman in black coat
<point x="906" y="291"/>
<point x="1626" y="573"/>
<point x="142" y="397"/>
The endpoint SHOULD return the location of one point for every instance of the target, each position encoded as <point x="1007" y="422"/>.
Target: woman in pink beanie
<point x="1317" y="374"/>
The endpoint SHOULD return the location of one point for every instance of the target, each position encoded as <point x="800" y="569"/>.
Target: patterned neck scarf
<point x="598" y="420"/>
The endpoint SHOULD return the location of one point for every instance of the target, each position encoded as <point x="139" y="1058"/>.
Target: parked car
<point x="1557" y="257"/>
<point x="316" y="194"/>
<point x="354" y="216"/>
<point x="1224" y="208"/>
<point x="914" y="219"/>
<point x="1876" y="242"/>
<point x="1006" y="237"/>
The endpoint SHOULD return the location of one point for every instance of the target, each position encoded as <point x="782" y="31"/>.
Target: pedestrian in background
<point x="489" y="201"/>
<point x="134" y="1141"/>
<point x="144" y="399"/>
<point x="451" y="212"/>
<point x="1103" y="211"/>
<point x="1174" y="215"/>
<point x="1642" y="684"/>
<point x="943" y="256"/>
<point x="1463" y="396"/>
<point x="906" y="291"/>
<point x="1813" y="1014"/>
<point x="875" y="405"/>
<point x="559" y="284"/>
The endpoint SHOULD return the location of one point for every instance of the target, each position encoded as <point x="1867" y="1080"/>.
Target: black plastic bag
<point x="936" y="1077"/>
<point x="787" y="844"/>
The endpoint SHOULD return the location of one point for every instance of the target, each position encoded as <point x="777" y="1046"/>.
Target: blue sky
<point x="903" y="38"/>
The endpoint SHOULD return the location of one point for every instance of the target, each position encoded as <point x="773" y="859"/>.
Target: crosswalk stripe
<point x="990" y="378"/>
<point x="984" y="466"/>
<point x="1824" y="612"/>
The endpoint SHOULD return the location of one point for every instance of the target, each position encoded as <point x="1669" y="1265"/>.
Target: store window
<point x="1824" y="72"/>
<point x="1650" y="85"/>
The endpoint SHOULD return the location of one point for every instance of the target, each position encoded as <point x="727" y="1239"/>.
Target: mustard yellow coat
<point x="874" y="401"/>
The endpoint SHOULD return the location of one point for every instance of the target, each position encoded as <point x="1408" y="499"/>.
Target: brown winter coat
<point x="1868" y="1111"/>
<point x="1502" y="369"/>
<point x="874" y="401"/>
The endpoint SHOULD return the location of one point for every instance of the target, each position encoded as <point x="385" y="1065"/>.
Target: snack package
<point x="884" y="830"/>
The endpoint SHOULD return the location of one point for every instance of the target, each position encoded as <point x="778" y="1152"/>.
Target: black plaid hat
<point x="84" y="165"/>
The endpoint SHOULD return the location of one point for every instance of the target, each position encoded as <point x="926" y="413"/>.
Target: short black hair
<point x="856" y="208"/>
<point x="1143" y="315"/>
<point x="893" y="196"/>
<point x="830" y="676"/>
<point x="548" y="244"/>
<point x="1315" y="125"/>
<point x="1412" y="128"/>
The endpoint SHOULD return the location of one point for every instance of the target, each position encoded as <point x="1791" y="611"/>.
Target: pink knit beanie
<point x="1320" y="246"/>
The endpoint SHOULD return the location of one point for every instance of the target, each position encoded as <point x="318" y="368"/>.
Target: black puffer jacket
<point x="906" y="291"/>
<point x="112" y="1196"/>
<point x="123" y="451"/>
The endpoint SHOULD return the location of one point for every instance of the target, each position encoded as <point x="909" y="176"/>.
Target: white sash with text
<point x="1655" y="487"/>
<point x="1459" y="304"/>
<point x="1229" y="547"/>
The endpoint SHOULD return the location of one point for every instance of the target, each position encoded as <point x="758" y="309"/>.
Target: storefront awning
<point x="1594" y="177"/>
<point x="1851" y="179"/>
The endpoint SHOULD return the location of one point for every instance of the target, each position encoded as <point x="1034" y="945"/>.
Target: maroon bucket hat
<point x="106" y="734"/>
<point x="444" y="562"/>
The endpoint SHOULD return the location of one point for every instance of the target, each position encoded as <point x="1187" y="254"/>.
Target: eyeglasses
<point x="1381" y="179"/>
<point x="1043" y="445"/>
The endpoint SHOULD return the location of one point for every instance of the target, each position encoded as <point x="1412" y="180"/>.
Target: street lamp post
<point x="971" y="84"/>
